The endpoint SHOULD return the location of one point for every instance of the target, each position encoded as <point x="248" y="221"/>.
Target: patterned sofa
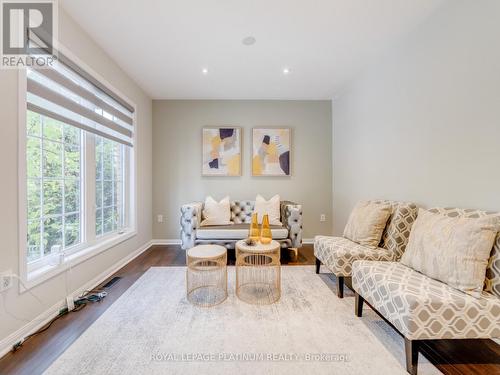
<point x="289" y="234"/>
<point x="421" y="308"/>
<point x="338" y="253"/>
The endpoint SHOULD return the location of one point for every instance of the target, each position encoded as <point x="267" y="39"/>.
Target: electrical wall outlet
<point x="5" y="280"/>
<point x="322" y="218"/>
<point x="159" y="218"/>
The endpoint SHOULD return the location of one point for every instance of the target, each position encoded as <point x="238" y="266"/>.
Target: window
<point x="109" y="186"/>
<point x="78" y="178"/>
<point x="53" y="154"/>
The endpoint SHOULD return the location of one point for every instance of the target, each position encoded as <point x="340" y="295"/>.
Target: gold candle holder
<point x="254" y="233"/>
<point x="265" y="232"/>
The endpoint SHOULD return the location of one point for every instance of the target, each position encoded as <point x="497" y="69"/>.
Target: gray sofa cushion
<point x="236" y="232"/>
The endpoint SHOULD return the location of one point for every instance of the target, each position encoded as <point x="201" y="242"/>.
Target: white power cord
<point x="13" y="316"/>
<point x="67" y="278"/>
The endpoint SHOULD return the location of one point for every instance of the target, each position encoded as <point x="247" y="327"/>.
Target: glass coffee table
<point x="258" y="272"/>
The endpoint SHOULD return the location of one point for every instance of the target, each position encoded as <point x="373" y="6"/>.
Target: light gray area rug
<point x="152" y="329"/>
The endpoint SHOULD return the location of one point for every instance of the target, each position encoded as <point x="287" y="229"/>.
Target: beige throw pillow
<point x="216" y="213"/>
<point x="270" y="207"/>
<point x="367" y="222"/>
<point x="454" y="250"/>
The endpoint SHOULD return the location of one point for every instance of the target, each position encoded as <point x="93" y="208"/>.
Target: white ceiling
<point x="164" y="44"/>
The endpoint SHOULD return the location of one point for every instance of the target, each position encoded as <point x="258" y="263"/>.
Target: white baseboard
<point x="7" y="343"/>
<point x="113" y="269"/>
<point x="175" y="241"/>
<point x="166" y="242"/>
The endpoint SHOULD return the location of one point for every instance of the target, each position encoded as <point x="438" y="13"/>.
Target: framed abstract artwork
<point x="221" y="150"/>
<point x="271" y="152"/>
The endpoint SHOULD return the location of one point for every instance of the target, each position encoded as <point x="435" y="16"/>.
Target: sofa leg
<point x="358" y="305"/>
<point x="411" y="350"/>
<point x="318" y="265"/>
<point x="340" y="286"/>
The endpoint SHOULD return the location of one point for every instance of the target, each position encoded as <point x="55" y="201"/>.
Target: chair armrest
<point x="291" y="217"/>
<point x="190" y="221"/>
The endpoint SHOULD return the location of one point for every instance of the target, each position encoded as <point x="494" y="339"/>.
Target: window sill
<point x="45" y="273"/>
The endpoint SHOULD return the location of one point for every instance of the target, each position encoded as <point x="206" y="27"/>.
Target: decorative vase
<point x="254" y="233"/>
<point x="265" y="231"/>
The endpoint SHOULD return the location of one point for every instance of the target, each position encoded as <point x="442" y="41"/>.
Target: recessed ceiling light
<point x="249" y="40"/>
<point x="286" y="71"/>
<point x="204" y="71"/>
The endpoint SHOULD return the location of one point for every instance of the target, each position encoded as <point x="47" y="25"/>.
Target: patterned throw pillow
<point x="454" y="250"/>
<point x="367" y="222"/>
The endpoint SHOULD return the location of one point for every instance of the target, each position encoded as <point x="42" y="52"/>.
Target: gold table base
<point x="258" y="273"/>
<point x="206" y="275"/>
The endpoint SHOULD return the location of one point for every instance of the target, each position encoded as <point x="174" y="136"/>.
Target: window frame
<point x="90" y="245"/>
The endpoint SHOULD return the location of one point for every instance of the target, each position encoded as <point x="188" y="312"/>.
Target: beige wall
<point x="23" y="308"/>
<point x="177" y="157"/>
<point x="424" y="123"/>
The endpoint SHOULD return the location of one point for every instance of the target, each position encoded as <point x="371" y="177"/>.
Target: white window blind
<point x="68" y="94"/>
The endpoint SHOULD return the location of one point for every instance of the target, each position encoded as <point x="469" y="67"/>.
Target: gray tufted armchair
<point x="289" y="234"/>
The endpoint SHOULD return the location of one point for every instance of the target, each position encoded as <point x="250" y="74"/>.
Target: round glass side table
<point x="258" y="272"/>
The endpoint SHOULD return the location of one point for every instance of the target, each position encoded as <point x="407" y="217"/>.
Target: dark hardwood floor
<point x="38" y="353"/>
